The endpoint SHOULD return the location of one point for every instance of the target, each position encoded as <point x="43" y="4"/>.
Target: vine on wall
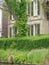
<point x="46" y="8"/>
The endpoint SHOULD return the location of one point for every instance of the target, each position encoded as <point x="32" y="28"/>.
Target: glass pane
<point x="31" y="29"/>
<point x="38" y="8"/>
<point x="29" y="9"/>
<point x="37" y="29"/>
<point x="10" y="32"/>
<point x="32" y="8"/>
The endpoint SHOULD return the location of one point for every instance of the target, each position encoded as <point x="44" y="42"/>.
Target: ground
<point x="33" y="56"/>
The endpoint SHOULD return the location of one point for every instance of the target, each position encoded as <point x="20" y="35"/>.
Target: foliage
<point x="46" y="8"/>
<point x="25" y="49"/>
<point x="33" y="56"/>
<point x="25" y="43"/>
<point x="19" y="9"/>
<point x="22" y="28"/>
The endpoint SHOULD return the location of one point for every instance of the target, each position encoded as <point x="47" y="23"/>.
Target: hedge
<point x="25" y="43"/>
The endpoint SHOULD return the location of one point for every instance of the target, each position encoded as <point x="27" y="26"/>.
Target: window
<point x="37" y="29"/>
<point x="38" y="8"/>
<point x="28" y="9"/>
<point x="10" y="32"/>
<point x="11" y="17"/>
<point x="34" y="8"/>
<point x="34" y="30"/>
<point x="15" y="31"/>
<point x="31" y="29"/>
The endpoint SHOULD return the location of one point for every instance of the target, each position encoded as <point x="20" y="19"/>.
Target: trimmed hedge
<point x="25" y="43"/>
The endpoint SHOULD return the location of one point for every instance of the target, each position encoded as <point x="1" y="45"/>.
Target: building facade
<point x="37" y="21"/>
<point x="3" y="20"/>
<point x="4" y="23"/>
<point x="11" y="27"/>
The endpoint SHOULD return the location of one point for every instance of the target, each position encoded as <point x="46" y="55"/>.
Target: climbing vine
<point x="18" y="9"/>
<point x="46" y="8"/>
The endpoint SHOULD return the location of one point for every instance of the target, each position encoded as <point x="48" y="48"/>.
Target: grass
<point x="33" y="56"/>
<point x="25" y="49"/>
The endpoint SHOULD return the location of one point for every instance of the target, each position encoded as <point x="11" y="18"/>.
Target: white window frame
<point x="35" y="8"/>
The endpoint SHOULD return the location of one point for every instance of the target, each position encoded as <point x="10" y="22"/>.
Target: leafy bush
<point x="25" y="49"/>
<point x="25" y="43"/>
<point x="33" y="56"/>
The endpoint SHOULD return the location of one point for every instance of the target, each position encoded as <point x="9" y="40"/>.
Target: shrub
<point x="25" y="43"/>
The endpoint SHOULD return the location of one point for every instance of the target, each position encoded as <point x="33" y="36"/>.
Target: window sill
<point x="34" y="17"/>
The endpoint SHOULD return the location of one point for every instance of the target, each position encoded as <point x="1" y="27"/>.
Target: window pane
<point x="31" y="29"/>
<point x="37" y="29"/>
<point x="38" y="8"/>
<point x="29" y="9"/>
<point x="32" y="8"/>
<point x="10" y="32"/>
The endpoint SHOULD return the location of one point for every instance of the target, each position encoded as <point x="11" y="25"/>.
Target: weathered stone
<point x="11" y="59"/>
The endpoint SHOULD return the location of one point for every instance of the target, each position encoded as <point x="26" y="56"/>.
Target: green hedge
<point x="25" y="43"/>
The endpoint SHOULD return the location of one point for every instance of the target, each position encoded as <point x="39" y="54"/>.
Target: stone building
<point x="3" y="21"/>
<point x="37" y="20"/>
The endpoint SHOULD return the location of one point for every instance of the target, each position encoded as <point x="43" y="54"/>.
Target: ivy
<point x="18" y="8"/>
<point x="46" y="8"/>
